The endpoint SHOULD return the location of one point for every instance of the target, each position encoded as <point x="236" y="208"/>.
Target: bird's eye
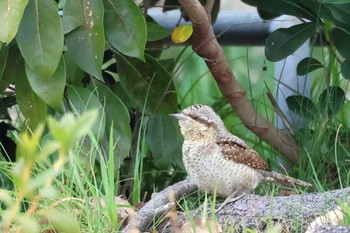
<point x="195" y="117"/>
<point x="202" y="120"/>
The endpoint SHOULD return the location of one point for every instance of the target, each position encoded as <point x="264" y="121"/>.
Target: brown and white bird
<point x="218" y="161"/>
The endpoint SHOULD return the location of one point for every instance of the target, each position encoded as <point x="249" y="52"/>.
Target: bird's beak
<point x="179" y="116"/>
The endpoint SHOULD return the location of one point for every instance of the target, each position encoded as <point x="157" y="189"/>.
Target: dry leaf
<point x="205" y="226"/>
<point x="123" y="212"/>
<point x="334" y="217"/>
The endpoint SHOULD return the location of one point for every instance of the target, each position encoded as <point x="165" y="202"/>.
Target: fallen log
<point x="293" y="213"/>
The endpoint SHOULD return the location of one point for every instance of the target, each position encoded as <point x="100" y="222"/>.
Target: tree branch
<point x="286" y="210"/>
<point x="159" y="205"/>
<point x="250" y="211"/>
<point x="205" y="44"/>
<point x="262" y="212"/>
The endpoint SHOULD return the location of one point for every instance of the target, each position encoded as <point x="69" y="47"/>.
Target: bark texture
<point x="159" y="204"/>
<point x="256" y="212"/>
<point x="294" y="213"/>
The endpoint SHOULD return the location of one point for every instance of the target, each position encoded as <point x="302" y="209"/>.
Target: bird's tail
<point x="283" y="179"/>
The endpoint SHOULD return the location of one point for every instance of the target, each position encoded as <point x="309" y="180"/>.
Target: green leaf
<point x="11" y="13"/>
<point x="147" y="82"/>
<point x="40" y="37"/>
<point x="302" y="105"/>
<point x="168" y="64"/>
<point x="341" y="40"/>
<point x="74" y="74"/>
<point x="332" y="98"/>
<point x="39" y="180"/>
<point x="118" y="90"/>
<point x="50" y="89"/>
<point x="60" y="220"/>
<point x="156" y="32"/>
<point x="86" y="43"/>
<point x="82" y="99"/>
<point x="70" y="23"/>
<point x="321" y="10"/>
<point x="28" y="222"/>
<point x="85" y="123"/>
<point x="31" y="106"/>
<point x="341" y="12"/>
<point x="125" y="27"/>
<point x="61" y="3"/>
<point x="3" y="59"/>
<point x="12" y="65"/>
<point x="285" y="41"/>
<point x="333" y="1"/>
<point x="68" y="130"/>
<point x="287" y="7"/>
<point x="265" y="15"/>
<point x="308" y="65"/>
<point x="344" y="114"/>
<point x="164" y="145"/>
<point x="118" y="115"/>
<point x="345" y="69"/>
<point x="6" y="197"/>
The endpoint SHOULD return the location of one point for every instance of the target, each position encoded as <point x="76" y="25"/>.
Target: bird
<point x="218" y="161"/>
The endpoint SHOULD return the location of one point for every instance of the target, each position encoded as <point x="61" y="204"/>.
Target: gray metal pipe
<point x="231" y="27"/>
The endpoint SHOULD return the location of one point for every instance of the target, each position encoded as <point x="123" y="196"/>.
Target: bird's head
<point x="199" y="122"/>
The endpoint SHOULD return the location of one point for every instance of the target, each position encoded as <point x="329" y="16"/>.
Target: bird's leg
<point x="229" y="199"/>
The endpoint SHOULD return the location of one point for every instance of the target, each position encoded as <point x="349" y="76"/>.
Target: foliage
<point x="32" y="185"/>
<point x="77" y="55"/>
<point x="327" y="24"/>
<point x="181" y="33"/>
<point x="106" y="55"/>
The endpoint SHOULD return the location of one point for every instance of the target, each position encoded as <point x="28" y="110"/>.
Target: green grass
<point x="83" y="180"/>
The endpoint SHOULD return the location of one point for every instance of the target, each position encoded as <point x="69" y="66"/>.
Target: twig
<point x="279" y="112"/>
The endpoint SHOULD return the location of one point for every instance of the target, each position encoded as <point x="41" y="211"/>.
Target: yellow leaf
<point x="181" y="33"/>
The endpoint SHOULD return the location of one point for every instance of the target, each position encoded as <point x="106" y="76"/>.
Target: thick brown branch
<point x="293" y="213"/>
<point x="250" y="211"/>
<point x="205" y="44"/>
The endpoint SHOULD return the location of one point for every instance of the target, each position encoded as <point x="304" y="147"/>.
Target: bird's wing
<point x="237" y="151"/>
